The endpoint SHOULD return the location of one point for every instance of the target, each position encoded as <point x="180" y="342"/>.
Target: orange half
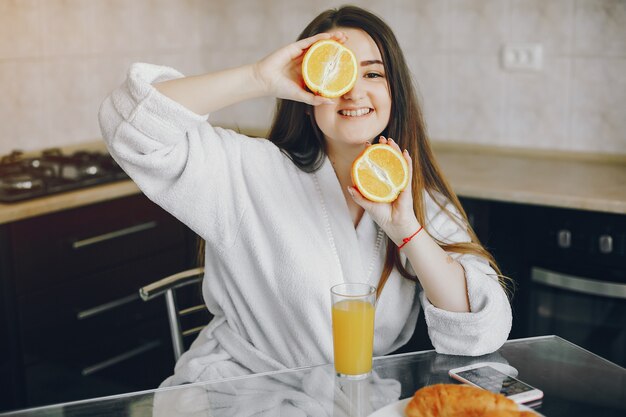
<point x="329" y="68"/>
<point x="380" y="173"/>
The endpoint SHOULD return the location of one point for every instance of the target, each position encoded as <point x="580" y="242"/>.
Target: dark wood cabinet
<point x="70" y="307"/>
<point x="10" y="375"/>
<point x="501" y="229"/>
<point x="59" y="247"/>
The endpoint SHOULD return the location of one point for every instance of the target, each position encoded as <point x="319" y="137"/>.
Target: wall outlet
<point x="522" y="57"/>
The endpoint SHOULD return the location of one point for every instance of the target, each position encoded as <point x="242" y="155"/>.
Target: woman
<point x="281" y="220"/>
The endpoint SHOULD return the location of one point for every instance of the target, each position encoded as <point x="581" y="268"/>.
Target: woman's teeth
<point x="354" y="113"/>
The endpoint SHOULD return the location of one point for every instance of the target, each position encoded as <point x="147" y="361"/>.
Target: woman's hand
<point x="397" y="218"/>
<point x="280" y="73"/>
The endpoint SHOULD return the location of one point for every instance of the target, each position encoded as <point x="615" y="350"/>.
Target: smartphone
<point x="489" y="378"/>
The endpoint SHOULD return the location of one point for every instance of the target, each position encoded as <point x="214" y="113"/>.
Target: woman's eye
<point x="373" y="75"/>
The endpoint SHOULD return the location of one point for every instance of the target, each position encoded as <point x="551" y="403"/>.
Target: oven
<point x="578" y="279"/>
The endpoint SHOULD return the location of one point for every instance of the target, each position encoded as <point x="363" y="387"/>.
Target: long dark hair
<point x="296" y="133"/>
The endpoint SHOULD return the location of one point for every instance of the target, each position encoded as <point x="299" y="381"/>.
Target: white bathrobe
<point x="277" y="239"/>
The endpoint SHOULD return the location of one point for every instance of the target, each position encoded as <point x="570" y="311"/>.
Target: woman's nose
<point x="356" y="93"/>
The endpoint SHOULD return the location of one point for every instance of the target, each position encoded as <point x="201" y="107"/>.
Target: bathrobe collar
<point x="355" y="249"/>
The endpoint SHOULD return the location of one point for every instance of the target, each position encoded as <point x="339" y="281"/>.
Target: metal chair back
<point x="168" y="287"/>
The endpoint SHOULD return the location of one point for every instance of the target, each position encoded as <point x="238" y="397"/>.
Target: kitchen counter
<point x="11" y="212"/>
<point x="504" y="175"/>
<point x="564" y="181"/>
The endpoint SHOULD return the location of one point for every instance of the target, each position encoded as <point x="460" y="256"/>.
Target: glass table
<point x="575" y="382"/>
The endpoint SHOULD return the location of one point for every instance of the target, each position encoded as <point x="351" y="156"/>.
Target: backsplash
<point x="60" y="58"/>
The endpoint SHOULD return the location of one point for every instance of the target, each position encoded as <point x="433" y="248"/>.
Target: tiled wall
<point x="59" y="59"/>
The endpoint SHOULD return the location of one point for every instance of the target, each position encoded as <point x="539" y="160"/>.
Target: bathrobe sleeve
<point x="486" y="327"/>
<point x="190" y="168"/>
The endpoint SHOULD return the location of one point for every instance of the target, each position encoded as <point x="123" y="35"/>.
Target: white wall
<point x="59" y="59"/>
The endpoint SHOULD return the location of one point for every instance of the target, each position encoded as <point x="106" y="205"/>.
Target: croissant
<point x="446" y="400"/>
<point x="509" y="413"/>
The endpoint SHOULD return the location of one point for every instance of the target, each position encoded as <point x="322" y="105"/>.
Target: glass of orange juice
<point x="353" y="328"/>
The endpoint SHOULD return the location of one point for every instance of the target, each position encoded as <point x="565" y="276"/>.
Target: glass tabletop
<point x="575" y="382"/>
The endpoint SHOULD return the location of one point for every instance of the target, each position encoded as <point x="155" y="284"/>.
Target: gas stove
<point x="52" y="171"/>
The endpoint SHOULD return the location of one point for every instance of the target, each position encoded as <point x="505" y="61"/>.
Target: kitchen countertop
<point x="503" y="175"/>
<point x="559" y="180"/>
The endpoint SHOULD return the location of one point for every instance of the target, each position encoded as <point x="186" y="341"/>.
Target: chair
<point x="170" y="287"/>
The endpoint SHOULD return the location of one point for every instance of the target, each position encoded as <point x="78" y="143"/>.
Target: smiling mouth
<point x="355" y="113"/>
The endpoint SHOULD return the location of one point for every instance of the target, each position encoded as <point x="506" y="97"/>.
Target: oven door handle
<point x="578" y="284"/>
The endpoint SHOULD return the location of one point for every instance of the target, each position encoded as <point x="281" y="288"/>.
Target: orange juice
<point x="353" y="336"/>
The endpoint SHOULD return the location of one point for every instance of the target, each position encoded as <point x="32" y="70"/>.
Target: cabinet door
<point x="10" y="370"/>
<point x="71" y="351"/>
<point x="501" y="229"/>
<point x="62" y="246"/>
<point x="478" y="215"/>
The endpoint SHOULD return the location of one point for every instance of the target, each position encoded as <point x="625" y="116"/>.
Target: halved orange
<point x="329" y="68"/>
<point x="380" y="173"/>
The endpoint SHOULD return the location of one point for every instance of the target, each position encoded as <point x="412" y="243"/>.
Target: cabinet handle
<point x="93" y="311"/>
<point x="193" y="331"/>
<point x="90" y="370"/>
<point x="577" y="284"/>
<point x="113" y="235"/>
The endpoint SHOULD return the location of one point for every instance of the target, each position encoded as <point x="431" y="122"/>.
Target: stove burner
<point x="20" y="182"/>
<point x="23" y="178"/>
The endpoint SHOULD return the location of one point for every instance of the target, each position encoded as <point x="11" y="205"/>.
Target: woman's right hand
<point x="280" y="73"/>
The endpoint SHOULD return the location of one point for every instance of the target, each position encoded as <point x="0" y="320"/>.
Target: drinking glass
<point x="353" y="307"/>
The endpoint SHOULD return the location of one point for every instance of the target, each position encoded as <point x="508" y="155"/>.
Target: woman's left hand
<point x="397" y="218"/>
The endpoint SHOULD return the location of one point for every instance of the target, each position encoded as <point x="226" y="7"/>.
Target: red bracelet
<point x="408" y="239"/>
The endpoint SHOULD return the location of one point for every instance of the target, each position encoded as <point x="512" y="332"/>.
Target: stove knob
<point x="564" y="239"/>
<point x="605" y="244"/>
